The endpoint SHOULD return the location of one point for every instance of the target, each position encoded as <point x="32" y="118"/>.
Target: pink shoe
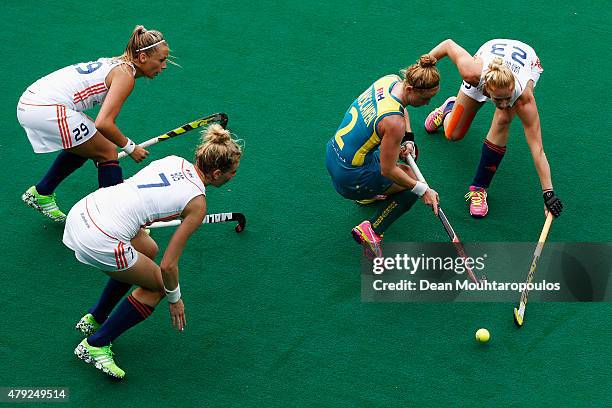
<point x="435" y="119"/>
<point x="477" y="196"/>
<point x="365" y="235"/>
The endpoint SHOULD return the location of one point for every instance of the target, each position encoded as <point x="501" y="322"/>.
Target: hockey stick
<point x="208" y="219"/>
<point x="220" y="118"/>
<point x="519" y="314"/>
<point x="447" y="226"/>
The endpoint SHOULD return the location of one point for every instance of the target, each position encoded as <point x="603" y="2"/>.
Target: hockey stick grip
<point x="546" y="228"/>
<point x="147" y="143"/>
<point x="415" y="169"/>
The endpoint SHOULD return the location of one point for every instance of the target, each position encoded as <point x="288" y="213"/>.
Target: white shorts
<point x="92" y="245"/>
<point x="53" y="127"/>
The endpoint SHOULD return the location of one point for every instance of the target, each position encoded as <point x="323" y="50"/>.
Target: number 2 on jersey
<point x="500" y="49"/>
<point x="347" y="128"/>
<point x="164" y="182"/>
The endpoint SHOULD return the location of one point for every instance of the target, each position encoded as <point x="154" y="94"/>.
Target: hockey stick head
<point x="223" y="120"/>
<point x="241" y="221"/>
<point x="518" y="318"/>
<point x="220" y="118"/>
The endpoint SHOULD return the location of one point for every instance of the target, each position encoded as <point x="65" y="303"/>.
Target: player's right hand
<point x="139" y="154"/>
<point x="552" y="202"/>
<point x="408" y="148"/>
<point x="177" y="312"/>
<point x="432" y="199"/>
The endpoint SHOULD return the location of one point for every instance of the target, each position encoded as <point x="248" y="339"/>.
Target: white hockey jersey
<point x="518" y="56"/>
<point x="78" y="87"/>
<point x="158" y="192"/>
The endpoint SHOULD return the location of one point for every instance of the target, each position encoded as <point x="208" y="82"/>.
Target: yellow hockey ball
<point x="483" y="335"/>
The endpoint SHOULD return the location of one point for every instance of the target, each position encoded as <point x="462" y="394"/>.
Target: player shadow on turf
<point x="583" y="269"/>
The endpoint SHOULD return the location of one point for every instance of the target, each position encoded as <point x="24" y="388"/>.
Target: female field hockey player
<point x="505" y="71"/>
<point x="51" y="112"/>
<point x="362" y="157"/>
<point x="105" y="230"/>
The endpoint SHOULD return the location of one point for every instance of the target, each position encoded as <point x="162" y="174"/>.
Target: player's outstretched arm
<point x="469" y="68"/>
<point x="192" y="215"/>
<point x="527" y="111"/>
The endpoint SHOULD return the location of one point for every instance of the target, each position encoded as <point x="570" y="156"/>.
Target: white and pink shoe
<point x="435" y="119"/>
<point x="477" y="196"/>
<point x="369" y="240"/>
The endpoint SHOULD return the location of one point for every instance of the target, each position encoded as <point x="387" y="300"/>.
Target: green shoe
<point x="87" y="325"/>
<point x="46" y="205"/>
<point x="101" y="357"/>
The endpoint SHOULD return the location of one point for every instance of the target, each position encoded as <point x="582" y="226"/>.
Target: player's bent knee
<point x="406" y="169"/>
<point x="453" y="135"/>
<point x="153" y="250"/>
<point x="458" y="123"/>
<point x="147" y="296"/>
<point x="503" y="122"/>
<point x="105" y="155"/>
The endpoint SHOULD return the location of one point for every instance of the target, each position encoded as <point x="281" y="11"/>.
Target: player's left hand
<point x="432" y="199"/>
<point x="408" y="148"/>
<point x="552" y="203"/>
<point x="177" y="312"/>
<point x="139" y="154"/>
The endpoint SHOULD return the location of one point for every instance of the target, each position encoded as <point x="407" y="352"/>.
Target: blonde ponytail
<point x="218" y="150"/>
<point x="422" y="75"/>
<point x="142" y="40"/>
<point x="499" y="76"/>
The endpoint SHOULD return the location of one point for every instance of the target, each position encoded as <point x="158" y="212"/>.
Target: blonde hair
<point x="422" y="75"/>
<point x="499" y="76"/>
<point x="218" y="150"/>
<point x="142" y="40"/>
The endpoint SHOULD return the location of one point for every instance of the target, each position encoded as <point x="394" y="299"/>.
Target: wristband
<point x="408" y="137"/>
<point x="129" y="147"/>
<point x="173" y="295"/>
<point x="420" y="188"/>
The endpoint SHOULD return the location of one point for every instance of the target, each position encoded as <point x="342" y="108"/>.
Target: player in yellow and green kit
<point x="362" y="156"/>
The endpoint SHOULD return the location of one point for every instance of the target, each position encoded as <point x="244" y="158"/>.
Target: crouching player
<point x="505" y="71"/>
<point x="362" y="157"/>
<point x="52" y="113"/>
<point x="105" y="231"/>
